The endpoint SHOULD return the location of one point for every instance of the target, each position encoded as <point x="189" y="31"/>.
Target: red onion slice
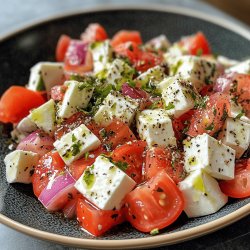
<point x="56" y="194"/>
<point x="134" y="93"/>
<point x="38" y="142"/>
<point x="76" y="52"/>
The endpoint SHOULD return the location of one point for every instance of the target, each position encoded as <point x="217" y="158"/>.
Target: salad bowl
<point x="23" y="48"/>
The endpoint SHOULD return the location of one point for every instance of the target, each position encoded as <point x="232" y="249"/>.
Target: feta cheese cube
<point x="45" y="116"/>
<point x="179" y="97"/>
<point x="195" y="69"/>
<point x="160" y="42"/>
<point x="104" y="184"/>
<point x="202" y="194"/>
<point x="242" y="67"/>
<point x="20" y="166"/>
<point x="115" y="105"/>
<point x="77" y="95"/>
<point x="45" y="75"/>
<point x="119" y="72"/>
<point x="102" y="54"/>
<point x="236" y="134"/>
<point x="155" y="127"/>
<point x="74" y="144"/>
<point x="205" y="152"/>
<point x="26" y="126"/>
<point x="152" y="76"/>
<point x="236" y="111"/>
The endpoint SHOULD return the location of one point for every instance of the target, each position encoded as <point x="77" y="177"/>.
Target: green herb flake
<point x="170" y="106"/>
<point x="75" y="148"/>
<point x="224" y="115"/>
<point x="122" y="165"/>
<point x="242" y="112"/>
<point x="88" y="178"/>
<point x="176" y="67"/>
<point x="210" y="126"/>
<point x="199" y="52"/>
<point x="73" y="138"/>
<point x="155" y="231"/>
<point x="86" y="155"/>
<point x="131" y="84"/>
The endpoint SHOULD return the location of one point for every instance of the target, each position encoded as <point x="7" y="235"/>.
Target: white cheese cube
<point x="115" y="105"/>
<point x="205" y="152"/>
<point x="242" y="67"/>
<point x="45" y="75"/>
<point x="236" y="111"/>
<point x="20" y="166"/>
<point x="202" y="194"/>
<point x="119" y="72"/>
<point x="179" y="97"/>
<point x="152" y="76"/>
<point x="74" y="144"/>
<point x="236" y="134"/>
<point x="102" y="54"/>
<point x="104" y="184"/>
<point x="26" y="126"/>
<point x="160" y="42"/>
<point x="155" y="127"/>
<point x="194" y="69"/>
<point x="45" y="116"/>
<point x="77" y="96"/>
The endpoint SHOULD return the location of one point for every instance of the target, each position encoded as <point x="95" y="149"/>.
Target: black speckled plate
<point x="23" y="48"/>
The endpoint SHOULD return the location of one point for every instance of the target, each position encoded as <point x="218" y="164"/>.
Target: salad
<point x="120" y="130"/>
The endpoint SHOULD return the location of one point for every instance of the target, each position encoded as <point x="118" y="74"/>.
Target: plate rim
<point x="151" y="241"/>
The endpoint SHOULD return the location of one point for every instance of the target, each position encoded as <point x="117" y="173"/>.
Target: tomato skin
<point x="77" y="167"/>
<point x="124" y="36"/>
<point x="16" y="102"/>
<point x="181" y="123"/>
<point x="93" y="33"/>
<point x="116" y="133"/>
<point x="171" y="161"/>
<point x="61" y="47"/>
<point x="239" y="187"/>
<point x="97" y="221"/>
<point x="141" y="60"/>
<point x="237" y="85"/>
<point x="211" y="118"/>
<point x="57" y="92"/>
<point x="155" y="204"/>
<point x="132" y="154"/>
<point x="48" y="165"/>
<point x="196" y="44"/>
<point x="75" y="121"/>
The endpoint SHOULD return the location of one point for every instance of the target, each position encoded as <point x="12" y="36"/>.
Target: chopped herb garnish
<point x="131" y="84"/>
<point x="75" y="148"/>
<point x="199" y="52"/>
<point x="86" y="155"/>
<point x="122" y="165"/>
<point x="155" y="231"/>
<point x="210" y="126"/>
<point x="176" y="67"/>
<point x="73" y="138"/>
<point x="224" y="115"/>
<point x="89" y="178"/>
<point x="170" y="106"/>
<point x="242" y="112"/>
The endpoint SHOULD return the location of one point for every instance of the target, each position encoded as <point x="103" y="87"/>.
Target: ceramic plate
<point x="23" y="48"/>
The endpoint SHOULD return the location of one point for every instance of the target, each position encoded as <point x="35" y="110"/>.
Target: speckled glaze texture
<point x="23" y="50"/>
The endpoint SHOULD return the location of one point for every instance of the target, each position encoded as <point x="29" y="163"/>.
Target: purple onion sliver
<point x="60" y="183"/>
